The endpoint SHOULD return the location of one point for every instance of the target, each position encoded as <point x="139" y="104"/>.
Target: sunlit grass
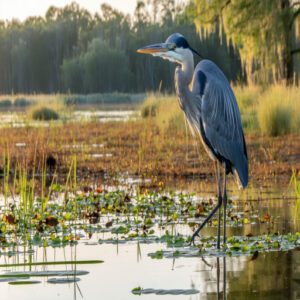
<point x="247" y="98"/>
<point x="295" y="183"/>
<point x="279" y="110"/>
<point x="270" y="111"/>
<point x="164" y="109"/>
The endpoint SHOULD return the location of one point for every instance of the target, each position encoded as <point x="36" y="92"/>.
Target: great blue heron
<point x="212" y="113"/>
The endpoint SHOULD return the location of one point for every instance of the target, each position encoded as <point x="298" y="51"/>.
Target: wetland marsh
<point x="108" y="217"/>
<point x="102" y="184"/>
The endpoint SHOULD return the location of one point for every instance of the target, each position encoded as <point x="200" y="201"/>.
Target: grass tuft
<point x="45" y="114"/>
<point x="274" y="118"/>
<point x="278" y="110"/>
<point x="165" y="111"/>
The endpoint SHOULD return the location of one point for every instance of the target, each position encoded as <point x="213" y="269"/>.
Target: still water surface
<point x="274" y="275"/>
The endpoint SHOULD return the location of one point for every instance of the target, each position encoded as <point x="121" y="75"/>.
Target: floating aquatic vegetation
<point x="235" y="246"/>
<point x="63" y="280"/>
<point x="142" y="291"/>
<point x="48" y="263"/>
<point x="44" y="273"/>
<point x="24" y="282"/>
<point x="54" y="223"/>
<point x="10" y="279"/>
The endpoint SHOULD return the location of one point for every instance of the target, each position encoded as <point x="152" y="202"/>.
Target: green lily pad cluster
<point x="63" y="222"/>
<point x="235" y="246"/>
<point x="121" y="215"/>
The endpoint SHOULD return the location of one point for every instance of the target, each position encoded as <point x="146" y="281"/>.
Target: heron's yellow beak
<point x="152" y="49"/>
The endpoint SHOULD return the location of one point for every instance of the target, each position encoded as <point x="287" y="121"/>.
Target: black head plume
<point x="180" y="42"/>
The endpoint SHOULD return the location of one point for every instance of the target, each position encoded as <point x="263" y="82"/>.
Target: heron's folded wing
<point x="220" y="119"/>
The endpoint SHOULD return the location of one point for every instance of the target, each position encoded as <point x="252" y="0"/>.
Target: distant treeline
<point x="69" y="50"/>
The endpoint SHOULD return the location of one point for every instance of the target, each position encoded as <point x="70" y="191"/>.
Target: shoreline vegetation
<point x="158" y="143"/>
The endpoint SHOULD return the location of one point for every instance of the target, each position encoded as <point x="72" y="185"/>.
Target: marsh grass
<point x="271" y="111"/>
<point x="156" y="145"/>
<point x="26" y="199"/>
<point x="279" y="110"/>
<point x="165" y="111"/>
<point x="295" y="183"/>
<point x="247" y="99"/>
<point x="44" y="114"/>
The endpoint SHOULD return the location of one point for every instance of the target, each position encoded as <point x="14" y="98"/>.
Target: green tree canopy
<point x="69" y="49"/>
<point x="262" y="31"/>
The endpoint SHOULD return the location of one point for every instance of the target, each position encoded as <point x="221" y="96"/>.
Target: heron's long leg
<point x="215" y="208"/>
<point x="224" y="205"/>
<point x="218" y="177"/>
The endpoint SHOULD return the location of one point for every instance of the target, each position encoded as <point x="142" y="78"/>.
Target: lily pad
<point x="235" y="246"/>
<point x="24" y="282"/>
<point x="63" y="280"/>
<point x="44" y="273"/>
<point x="10" y="279"/>
<point x="140" y="291"/>
<point x="48" y="263"/>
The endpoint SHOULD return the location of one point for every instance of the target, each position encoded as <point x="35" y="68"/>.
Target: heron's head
<point x="175" y="49"/>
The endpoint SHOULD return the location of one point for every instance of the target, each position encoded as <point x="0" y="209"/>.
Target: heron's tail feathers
<point x="241" y="173"/>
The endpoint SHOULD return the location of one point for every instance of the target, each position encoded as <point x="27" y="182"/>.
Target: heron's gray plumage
<point x="212" y="112"/>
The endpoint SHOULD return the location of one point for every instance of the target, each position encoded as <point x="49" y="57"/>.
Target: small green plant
<point x="137" y="290"/>
<point x="45" y="114"/>
<point x="295" y="183"/>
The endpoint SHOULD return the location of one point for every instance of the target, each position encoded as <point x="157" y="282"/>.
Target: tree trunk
<point x="287" y="57"/>
<point x="288" y="65"/>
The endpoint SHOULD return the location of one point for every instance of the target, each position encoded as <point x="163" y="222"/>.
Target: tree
<point x="70" y="50"/>
<point x="263" y="32"/>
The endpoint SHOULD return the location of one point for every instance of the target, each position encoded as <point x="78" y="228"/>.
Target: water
<point x="273" y="275"/>
<point x="99" y="113"/>
<point x="270" y="276"/>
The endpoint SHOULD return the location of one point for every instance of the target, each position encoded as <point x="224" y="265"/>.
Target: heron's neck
<point x="187" y="68"/>
<point x="184" y="76"/>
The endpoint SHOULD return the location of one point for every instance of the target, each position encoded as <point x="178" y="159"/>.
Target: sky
<point x="21" y="9"/>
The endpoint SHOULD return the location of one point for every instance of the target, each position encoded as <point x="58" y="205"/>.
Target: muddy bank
<point x="140" y="148"/>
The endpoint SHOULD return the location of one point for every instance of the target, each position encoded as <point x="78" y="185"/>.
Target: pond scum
<point x="55" y="215"/>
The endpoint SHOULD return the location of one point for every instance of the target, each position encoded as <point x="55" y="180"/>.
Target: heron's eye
<point x="171" y="46"/>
